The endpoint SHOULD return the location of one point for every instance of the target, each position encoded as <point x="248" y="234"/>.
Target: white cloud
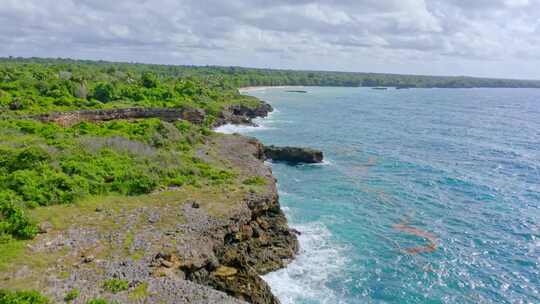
<point x="450" y="36"/>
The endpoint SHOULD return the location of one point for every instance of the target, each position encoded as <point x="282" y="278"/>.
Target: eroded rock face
<point x="243" y="115"/>
<point x="258" y="240"/>
<point x="260" y="111"/>
<point x="176" y="252"/>
<point x="235" y="114"/>
<point x="293" y="155"/>
<point x="168" y="114"/>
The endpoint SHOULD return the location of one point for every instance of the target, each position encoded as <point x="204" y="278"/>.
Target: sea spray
<point x="319" y="261"/>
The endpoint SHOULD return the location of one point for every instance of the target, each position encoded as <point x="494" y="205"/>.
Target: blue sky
<point x="498" y="38"/>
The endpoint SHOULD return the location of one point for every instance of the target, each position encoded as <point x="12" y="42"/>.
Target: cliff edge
<point x="205" y="244"/>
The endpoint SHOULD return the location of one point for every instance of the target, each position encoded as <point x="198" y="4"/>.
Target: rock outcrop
<point x="235" y="114"/>
<point x="169" y="114"/>
<point x="243" y="115"/>
<point x="293" y="155"/>
<point x="204" y="245"/>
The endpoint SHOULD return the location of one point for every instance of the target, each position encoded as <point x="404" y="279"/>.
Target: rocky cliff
<point x="187" y="245"/>
<point x="241" y="114"/>
<point x="235" y="114"/>
<point x="168" y="114"/>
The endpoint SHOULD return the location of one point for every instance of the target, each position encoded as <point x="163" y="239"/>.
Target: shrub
<point x="22" y="297"/>
<point x="116" y="285"/>
<point x="149" y="80"/>
<point x="13" y="220"/>
<point x="104" y="92"/>
<point x="140" y="292"/>
<point x="71" y="295"/>
<point x="28" y="158"/>
<point x="99" y="301"/>
<point x="46" y="186"/>
<point x="255" y="181"/>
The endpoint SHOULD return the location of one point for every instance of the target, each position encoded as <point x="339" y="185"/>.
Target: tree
<point x="104" y="92"/>
<point x="149" y="80"/>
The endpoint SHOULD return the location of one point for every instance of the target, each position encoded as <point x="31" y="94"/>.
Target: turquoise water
<point x="457" y="170"/>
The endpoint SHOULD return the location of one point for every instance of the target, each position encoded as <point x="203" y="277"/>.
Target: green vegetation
<point x="60" y="175"/>
<point x="255" y="181"/>
<point x="116" y="285"/>
<point x="140" y="292"/>
<point x="22" y="297"/>
<point x="71" y="295"/>
<point x="44" y="85"/>
<point x="44" y="164"/>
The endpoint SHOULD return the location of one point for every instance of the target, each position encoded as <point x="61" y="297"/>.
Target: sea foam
<point x="320" y="259"/>
<point x="260" y="125"/>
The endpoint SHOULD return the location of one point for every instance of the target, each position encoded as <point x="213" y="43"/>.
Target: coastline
<point x="243" y="90"/>
<point x="188" y="246"/>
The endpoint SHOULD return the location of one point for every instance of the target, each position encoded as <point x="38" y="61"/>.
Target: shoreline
<point x="217" y="247"/>
<point x="243" y="90"/>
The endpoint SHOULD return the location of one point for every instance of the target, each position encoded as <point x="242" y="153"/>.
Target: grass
<point x="22" y="297"/>
<point x="255" y="181"/>
<point x="139" y="293"/>
<point x="71" y="295"/>
<point x="116" y="285"/>
<point x="216" y="200"/>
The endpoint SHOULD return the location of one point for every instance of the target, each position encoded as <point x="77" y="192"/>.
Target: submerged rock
<point x="293" y="155"/>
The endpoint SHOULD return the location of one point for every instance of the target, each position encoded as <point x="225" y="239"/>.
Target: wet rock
<point x="243" y="115"/>
<point x="260" y="110"/>
<point x="293" y="155"/>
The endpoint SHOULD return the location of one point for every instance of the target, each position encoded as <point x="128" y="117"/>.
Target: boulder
<point x="293" y="155"/>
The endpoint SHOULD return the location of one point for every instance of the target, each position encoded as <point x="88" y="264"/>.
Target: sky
<point x="494" y="38"/>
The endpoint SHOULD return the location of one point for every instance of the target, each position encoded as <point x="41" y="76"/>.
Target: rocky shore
<point x="185" y="245"/>
<point x="177" y="246"/>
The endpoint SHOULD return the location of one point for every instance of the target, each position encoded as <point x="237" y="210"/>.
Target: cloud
<point x="453" y="36"/>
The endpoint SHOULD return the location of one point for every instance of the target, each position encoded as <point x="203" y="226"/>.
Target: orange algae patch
<point x="429" y="237"/>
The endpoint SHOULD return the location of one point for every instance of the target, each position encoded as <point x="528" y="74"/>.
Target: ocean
<point x="425" y="195"/>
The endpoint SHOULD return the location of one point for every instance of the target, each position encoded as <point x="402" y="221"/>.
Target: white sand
<point x="262" y="88"/>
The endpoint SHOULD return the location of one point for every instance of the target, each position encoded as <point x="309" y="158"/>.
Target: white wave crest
<point x="260" y="125"/>
<point x="242" y="129"/>
<point x="319" y="260"/>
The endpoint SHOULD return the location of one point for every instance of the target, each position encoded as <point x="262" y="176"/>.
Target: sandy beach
<point x="243" y="90"/>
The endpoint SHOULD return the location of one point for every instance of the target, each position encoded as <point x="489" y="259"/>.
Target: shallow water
<point x="427" y="196"/>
